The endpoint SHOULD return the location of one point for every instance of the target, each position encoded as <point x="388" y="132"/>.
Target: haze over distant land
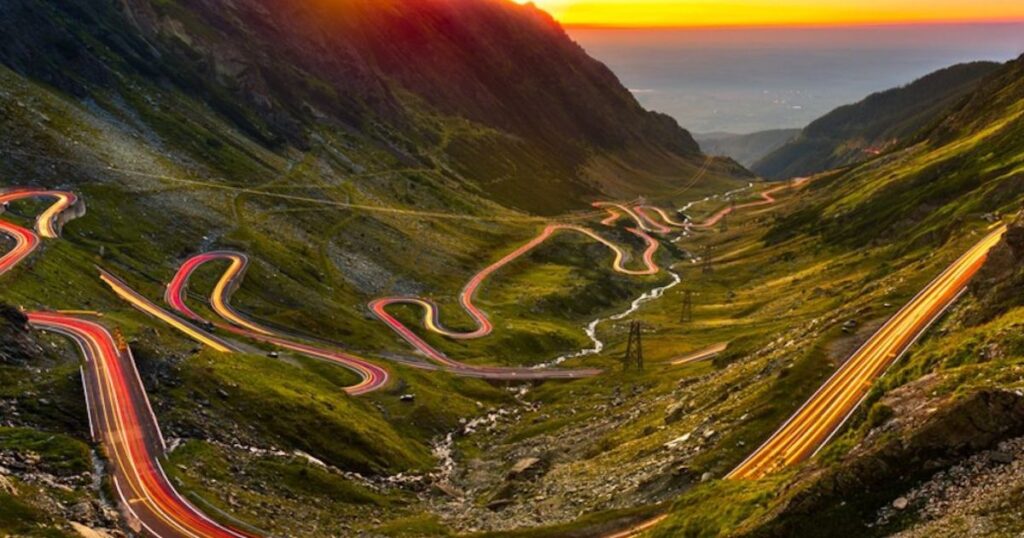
<point x="749" y="79"/>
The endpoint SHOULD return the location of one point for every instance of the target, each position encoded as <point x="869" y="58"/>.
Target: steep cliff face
<point x="15" y="345"/>
<point x="506" y="98"/>
<point x="923" y="437"/>
<point x="998" y="285"/>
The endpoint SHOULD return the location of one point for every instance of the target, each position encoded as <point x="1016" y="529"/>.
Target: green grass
<point x="588" y="525"/>
<point x="235" y="487"/>
<point x="301" y="409"/>
<point x="414" y="526"/>
<point x="294" y="476"/>
<point x="718" y="508"/>
<point x="60" y="454"/>
<point x="18" y="518"/>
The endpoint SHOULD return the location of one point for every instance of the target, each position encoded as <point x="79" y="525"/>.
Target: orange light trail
<point x="147" y="307"/>
<point x="648" y="218"/>
<point x="25" y="242"/>
<point x="431" y="317"/>
<point x="47" y="223"/>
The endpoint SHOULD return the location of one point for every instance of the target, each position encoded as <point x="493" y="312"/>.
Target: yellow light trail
<point x="825" y="412"/>
<point x="46" y="223"/>
<point x="149" y="308"/>
<point x="220" y="293"/>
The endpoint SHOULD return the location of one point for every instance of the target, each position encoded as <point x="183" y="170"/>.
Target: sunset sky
<point x="776" y="12"/>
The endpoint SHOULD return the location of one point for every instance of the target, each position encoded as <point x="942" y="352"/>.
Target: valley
<point x="411" y="269"/>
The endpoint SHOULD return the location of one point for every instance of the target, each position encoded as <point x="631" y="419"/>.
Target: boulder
<point x="524" y="468"/>
<point x="675" y="412"/>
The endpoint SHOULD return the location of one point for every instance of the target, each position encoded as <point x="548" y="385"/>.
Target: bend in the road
<point x="48" y="222"/>
<point x="123" y="418"/>
<point x="372" y="377"/>
<point x="431" y="317"/>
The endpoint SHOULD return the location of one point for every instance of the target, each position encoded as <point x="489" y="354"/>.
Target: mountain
<point x="857" y="132"/>
<point x="363" y="192"/>
<point x="352" y="150"/>
<point x="959" y="167"/>
<point x="935" y="450"/>
<point x="746" y="149"/>
<point x="506" y="99"/>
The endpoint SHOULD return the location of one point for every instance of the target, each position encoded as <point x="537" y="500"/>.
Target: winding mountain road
<point x="48" y="223"/>
<point x="662" y="214"/>
<point x="120" y="416"/>
<point x="646" y="224"/>
<point x="147" y="307"/>
<point x="372" y="377"/>
<point x="635" y="212"/>
<point x="767" y="198"/>
<point x="431" y="318"/>
<point x="25" y="242"/>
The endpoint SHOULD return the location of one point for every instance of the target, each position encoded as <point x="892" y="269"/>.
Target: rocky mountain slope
<point x="880" y="122"/>
<point x="510" y="102"/>
<point x="747" y="149"/>
<point x="352" y="150"/>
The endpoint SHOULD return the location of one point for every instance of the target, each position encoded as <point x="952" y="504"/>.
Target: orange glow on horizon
<point x="703" y="13"/>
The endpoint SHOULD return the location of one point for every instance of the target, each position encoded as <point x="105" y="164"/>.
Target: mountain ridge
<point x="399" y="73"/>
<point x="880" y="122"/>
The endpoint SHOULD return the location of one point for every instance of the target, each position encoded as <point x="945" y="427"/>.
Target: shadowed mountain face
<point x="749" y="148"/>
<point x="962" y="165"/>
<point x="518" y="106"/>
<point x="854" y="133"/>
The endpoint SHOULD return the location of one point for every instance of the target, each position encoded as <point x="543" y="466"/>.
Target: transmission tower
<point x="687" y="313"/>
<point x="706" y="263"/>
<point x="634" y="348"/>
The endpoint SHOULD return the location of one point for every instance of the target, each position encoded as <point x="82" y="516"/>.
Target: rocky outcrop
<point x="16" y="345"/>
<point x="923" y="437"/>
<point x="998" y="285"/>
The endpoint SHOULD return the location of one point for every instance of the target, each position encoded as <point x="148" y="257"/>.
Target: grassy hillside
<point x="191" y="126"/>
<point x="882" y="121"/>
<point x="940" y="422"/>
